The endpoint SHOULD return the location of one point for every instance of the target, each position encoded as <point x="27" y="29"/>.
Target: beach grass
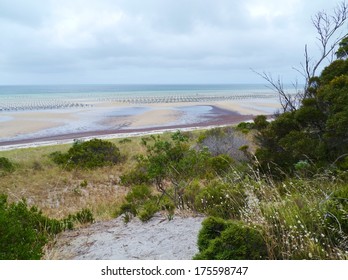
<point x="59" y="192"/>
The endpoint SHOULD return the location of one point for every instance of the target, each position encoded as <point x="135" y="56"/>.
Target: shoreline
<point x="224" y="118"/>
<point x="115" y="120"/>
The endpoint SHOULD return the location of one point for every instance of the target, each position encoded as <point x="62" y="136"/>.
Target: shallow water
<point x="14" y="98"/>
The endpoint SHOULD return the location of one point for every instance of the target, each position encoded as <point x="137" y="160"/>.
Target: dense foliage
<point x="172" y="164"/>
<point x="142" y="202"/>
<point x="24" y="230"/>
<point x="90" y="154"/>
<point x="230" y="240"/>
<point x="316" y="133"/>
<point x="6" y="166"/>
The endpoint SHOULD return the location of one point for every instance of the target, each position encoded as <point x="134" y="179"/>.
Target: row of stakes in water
<point x="60" y="104"/>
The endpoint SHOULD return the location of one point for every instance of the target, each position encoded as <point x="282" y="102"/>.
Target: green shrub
<point x="212" y="228"/>
<point x="136" y="176"/>
<point x="24" y="231"/>
<point x="148" y="210"/>
<point x="336" y="216"/>
<point x="84" y="216"/>
<point x="6" y="165"/>
<point x="190" y="194"/>
<point x="135" y="199"/>
<point x="141" y="202"/>
<point x="230" y="240"/>
<point x="220" y="200"/>
<point x="245" y="127"/>
<point x="221" y="164"/>
<point x="90" y="154"/>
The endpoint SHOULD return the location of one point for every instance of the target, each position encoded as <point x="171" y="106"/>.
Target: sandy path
<point x="158" y="239"/>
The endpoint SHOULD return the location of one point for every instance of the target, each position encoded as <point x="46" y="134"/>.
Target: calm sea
<point x="64" y="96"/>
<point x="126" y="90"/>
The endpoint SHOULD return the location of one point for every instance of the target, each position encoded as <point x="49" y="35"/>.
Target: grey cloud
<point x="108" y="38"/>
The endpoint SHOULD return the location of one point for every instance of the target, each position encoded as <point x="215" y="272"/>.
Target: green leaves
<point x="317" y="131"/>
<point x="23" y="230"/>
<point x="90" y="154"/>
<point x="230" y="240"/>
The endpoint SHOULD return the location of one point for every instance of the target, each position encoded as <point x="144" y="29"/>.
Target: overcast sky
<point x="153" y="41"/>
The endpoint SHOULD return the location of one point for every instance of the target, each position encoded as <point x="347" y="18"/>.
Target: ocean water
<point x="14" y="98"/>
<point x="66" y="90"/>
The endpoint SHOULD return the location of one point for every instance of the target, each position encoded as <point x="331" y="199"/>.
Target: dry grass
<point x="58" y="192"/>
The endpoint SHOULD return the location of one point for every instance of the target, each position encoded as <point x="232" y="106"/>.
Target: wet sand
<point x="115" y="118"/>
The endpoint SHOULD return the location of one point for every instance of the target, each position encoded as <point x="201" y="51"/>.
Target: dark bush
<point x="6" y="165"/>
<point x="230" y="240"/>
<point x="89" y="155"/>
<point x="212" y="228"/>
<point x="336" y="215"/>
<point x="24" y="231"/>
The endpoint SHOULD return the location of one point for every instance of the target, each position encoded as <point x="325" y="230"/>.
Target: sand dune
<point x="157" y="239"/>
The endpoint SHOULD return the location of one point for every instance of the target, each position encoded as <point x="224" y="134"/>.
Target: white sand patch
<point x="158" y="239"/>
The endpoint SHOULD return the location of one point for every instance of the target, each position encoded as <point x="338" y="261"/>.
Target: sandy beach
<point x="112" y="117"/>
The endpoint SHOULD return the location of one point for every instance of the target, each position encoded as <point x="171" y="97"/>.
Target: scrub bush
<point x="230" y="240"/>
<point x="90" y="154"/>
<point x="24" y="231"/>
<point x="6" y="165"/>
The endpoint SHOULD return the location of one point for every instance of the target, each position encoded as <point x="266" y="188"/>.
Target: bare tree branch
<point x="287" y="101"/>
<point x="327" y="27"/>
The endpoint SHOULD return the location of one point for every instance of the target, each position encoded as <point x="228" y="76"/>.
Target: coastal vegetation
<point x="269" y="189"/>
<point x="88" y="155"/>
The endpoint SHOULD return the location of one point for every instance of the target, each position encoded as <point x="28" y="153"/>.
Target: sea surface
<point x="31" y="97"/>
<point x="125" y="90"/>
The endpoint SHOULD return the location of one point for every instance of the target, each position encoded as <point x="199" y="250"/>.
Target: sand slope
<point x="158" y="239"/>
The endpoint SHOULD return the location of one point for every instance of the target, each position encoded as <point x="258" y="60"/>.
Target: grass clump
<point x="90" y="154"/>
<point x="6" y="166"/>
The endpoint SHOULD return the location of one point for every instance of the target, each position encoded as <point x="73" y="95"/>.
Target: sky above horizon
<point x="154" y="41"/>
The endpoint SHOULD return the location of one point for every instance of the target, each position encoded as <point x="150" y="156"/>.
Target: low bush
<point x="220" y="199"/>
<point x="230" y="240"/>
<point x="6" y="165"/>
<point x="148" y="210"/>
<point x="90" y="154"/>
<point x="24" y="231"/>
<point x="141" y="202"/>
<point x="336" y="217"/>
<point x="245" y="127"/>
